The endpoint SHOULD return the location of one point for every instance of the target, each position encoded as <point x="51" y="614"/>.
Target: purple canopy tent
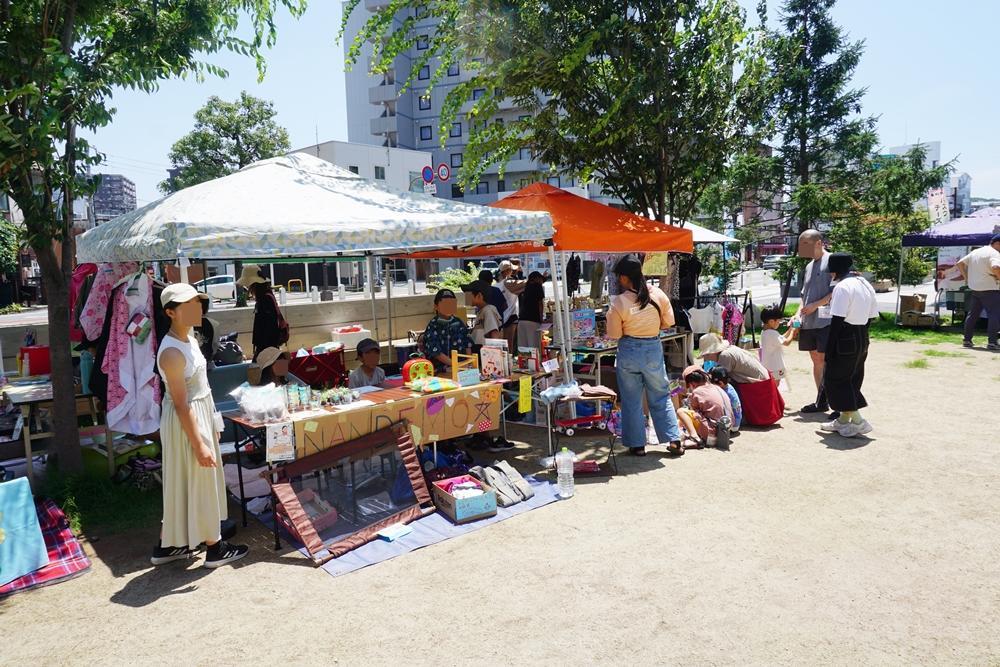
<point x="974" y="230"/>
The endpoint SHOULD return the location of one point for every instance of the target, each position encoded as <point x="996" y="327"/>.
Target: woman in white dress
<point x="194" y="489"/>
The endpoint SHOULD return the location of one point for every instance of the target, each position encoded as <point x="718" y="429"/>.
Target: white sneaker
<point x="853" y="430"/>
<point x="831" y="426"/>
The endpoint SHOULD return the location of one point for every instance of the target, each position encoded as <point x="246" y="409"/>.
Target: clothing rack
<point x="747" y="309"/>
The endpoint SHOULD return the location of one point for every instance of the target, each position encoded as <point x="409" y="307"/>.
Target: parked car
<point x="490" y="265"/>
<point x="218" y="287"/>
<point x="771" y="261"/>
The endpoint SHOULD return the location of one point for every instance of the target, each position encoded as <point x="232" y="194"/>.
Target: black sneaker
<point x="501" y="444"/>
<point x="812" y="407"/>
<point x="163" y="555"/>
<point x="966" y="343"/>
<point x="223" y="553"/>
<point x="993" y="347"/>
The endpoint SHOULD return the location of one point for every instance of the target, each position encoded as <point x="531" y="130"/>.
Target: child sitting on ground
<point x="707" y="404"/>
<point x="719" y="376"/>
<point x="771" y="342"/>
<point x="368" y="374"/>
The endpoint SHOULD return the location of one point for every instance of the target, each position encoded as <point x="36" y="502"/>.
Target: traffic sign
<point x="443" y="172"/>
<point x="430" y="188"/>
<point x="427" y="173"/>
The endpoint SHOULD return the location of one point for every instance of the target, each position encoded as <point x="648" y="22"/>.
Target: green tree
<point x="60" y="61"/>
<point x="883" y="212"/>
<point x="227" y="136"/>
<point x="10" y="247"/>
<point x="648" y="99"/>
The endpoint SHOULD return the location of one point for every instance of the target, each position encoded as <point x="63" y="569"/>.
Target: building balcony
<point x="385" y="125"/>
<point x="375" y="5"/>
<point x="387" y="92"/>
<point x="516" y="167"/>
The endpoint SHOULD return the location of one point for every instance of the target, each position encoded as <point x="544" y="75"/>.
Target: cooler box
<point x="36" y="360"/>
<point x="350" y="339"/>
<point x="320" y="370"/>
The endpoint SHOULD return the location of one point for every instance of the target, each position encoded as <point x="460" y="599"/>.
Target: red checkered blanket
<point x="66" y="557"/>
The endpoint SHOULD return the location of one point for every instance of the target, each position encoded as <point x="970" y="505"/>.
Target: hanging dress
<point x="194" y="498"/>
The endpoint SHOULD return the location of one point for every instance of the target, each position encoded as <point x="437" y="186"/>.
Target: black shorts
<point x="814" y="339"/>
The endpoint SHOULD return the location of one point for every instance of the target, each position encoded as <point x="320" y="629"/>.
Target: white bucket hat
<point x="711" y="343"/>
<point x="250" y="276"/>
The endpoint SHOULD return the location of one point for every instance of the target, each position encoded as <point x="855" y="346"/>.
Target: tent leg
<point x="388" y="309"/>
<point x="305" y="265"/>
<point x="370" y="267"/>
<point x="182" y="264"/>
<point x="567" y="306"/>
<point x="557" y="319"/>
<point x="899" y="282"/>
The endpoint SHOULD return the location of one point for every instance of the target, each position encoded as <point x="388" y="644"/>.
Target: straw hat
<point x="711" y="343"/>
<point x="250" y="276"/>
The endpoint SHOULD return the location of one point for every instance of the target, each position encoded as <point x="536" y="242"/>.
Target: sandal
<point x="676" y="448"/>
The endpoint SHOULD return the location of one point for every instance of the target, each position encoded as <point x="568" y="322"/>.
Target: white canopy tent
<point x="300" y="206"/>
<point x="705" y="235"/>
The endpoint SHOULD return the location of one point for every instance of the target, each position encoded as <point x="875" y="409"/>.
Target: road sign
<point x="443" y="172"/>
<point x="427" y="173"/>
<point x="430" y="188"/>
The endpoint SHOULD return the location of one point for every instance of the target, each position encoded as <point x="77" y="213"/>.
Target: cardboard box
<point x="917" y="302"/>
<point x="464" y="510"/>
<point x="913" y="318"/>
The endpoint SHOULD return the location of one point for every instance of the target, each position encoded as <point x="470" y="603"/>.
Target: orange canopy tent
<point x="581" y="225"/>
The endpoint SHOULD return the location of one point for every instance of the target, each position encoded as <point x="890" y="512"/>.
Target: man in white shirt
<point x="981" y="270"/>
<point x="852" y="307"/>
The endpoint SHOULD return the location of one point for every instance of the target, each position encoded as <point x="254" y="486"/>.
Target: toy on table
<point x="416" y="369"/>
<point x="464" y="367"/>
<point x="433" y="385"/>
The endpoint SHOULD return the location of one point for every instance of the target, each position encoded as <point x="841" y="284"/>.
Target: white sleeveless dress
<point x="194" y="498"/>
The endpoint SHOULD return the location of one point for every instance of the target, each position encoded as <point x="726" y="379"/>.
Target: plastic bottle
<point x="564" y="471"/>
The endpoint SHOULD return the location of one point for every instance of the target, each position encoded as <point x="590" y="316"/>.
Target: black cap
<point x="367" y="345"/>
<point x="476" y="287"/>
<point x="840" y="263"/>
<point x="443" y="293"/>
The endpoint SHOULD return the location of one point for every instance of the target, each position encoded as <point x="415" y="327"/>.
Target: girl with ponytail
<point x="635" y="318"/>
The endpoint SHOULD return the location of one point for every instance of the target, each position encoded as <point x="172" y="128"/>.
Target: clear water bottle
<point x="564" y="471"/>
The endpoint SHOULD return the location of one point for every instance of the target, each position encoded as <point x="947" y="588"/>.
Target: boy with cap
<point x="368" y="374"/>
<point x="445" y="332"/>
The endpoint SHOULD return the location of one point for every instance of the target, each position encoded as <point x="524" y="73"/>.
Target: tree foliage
<point x="647" y="99"/>
<point x="10" y="247"/>
<point x="60" y="61"/>
<point x="227" y="136"/>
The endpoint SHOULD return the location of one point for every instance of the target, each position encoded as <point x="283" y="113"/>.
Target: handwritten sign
<point x="524" y="395"/>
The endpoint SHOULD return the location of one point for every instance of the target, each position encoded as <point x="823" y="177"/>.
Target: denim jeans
<point x="639" y="367"/>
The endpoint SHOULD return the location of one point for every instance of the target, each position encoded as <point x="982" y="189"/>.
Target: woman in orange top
<point x="635" y="318"/>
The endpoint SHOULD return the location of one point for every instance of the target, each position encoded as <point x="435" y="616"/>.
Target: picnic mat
<point x="66" y="557"/>
<point x="428" y="530"/>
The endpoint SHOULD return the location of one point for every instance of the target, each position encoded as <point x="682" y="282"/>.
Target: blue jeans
<point x="639" y="367"/>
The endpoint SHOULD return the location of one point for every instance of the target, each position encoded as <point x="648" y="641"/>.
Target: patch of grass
<point x="917" y="363"/>
<point x="944" y="354"/>
<point x="885" y="328"/>
<point x="97" y="503"/>
<point x="11" y="309"/>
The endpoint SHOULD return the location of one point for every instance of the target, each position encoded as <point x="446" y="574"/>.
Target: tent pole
<point x="557" y="319"/>
<point x="899" y="282"/>
<point x="388" y="308"/>
<point x="567" y="306"/>
<point x="182" y="264"/>
<point x="370" y="267"/>
<point x="305" y="265"/>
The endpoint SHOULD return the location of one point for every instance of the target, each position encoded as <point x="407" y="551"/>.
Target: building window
<point x="482" y="188"/>
<point x="499" y="121"/>
<point x="456" y="159"/>
<point x="425" y="103"/>
<point x="525" y="117"/>
<point x="456" y="191"/>
<point x="423" y="43"/>
<point x="425" y="73"/>
<point x="477" y="93"/>
<point x="523" y="183"/>
<point x="353" y="169"/>
<point x="501" y="185"/>
<point x="380" y="173"/>
<point x="456" y="130"/>
<point x="416" y="182"/>
<point x="554" y="181"/>
<point x="524" y="154"/>
<point x="453" y="70"/>
<point x="425" y="132"/>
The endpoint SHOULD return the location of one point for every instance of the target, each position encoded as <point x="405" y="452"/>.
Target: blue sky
<point x="931" y="70"/>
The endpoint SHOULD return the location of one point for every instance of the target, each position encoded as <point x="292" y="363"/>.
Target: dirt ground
<point x="795" y="547"/>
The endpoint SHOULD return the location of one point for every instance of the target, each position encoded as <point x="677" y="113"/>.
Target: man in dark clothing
<point x="532" y="310"/>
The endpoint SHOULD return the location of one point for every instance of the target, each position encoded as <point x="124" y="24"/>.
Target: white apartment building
<point x="379" y="112"/>
<point x="398" y="168"/>
<point x="960" y="195"/>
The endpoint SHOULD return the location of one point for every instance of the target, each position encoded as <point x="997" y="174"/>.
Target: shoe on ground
<point x="637" y="451"/>
<point x="501" y="444"/>
<point x="162" y="555"/>
<point x="832" y="426"/>
<point x="852" y="430"/>
<point x="993" y="347"/>
<point x="812" y="407"/>
<point x="224" y="553"/>
<point x="966" y="343"/>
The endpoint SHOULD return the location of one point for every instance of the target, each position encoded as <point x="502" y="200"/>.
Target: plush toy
<point x="435" y="385"/>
